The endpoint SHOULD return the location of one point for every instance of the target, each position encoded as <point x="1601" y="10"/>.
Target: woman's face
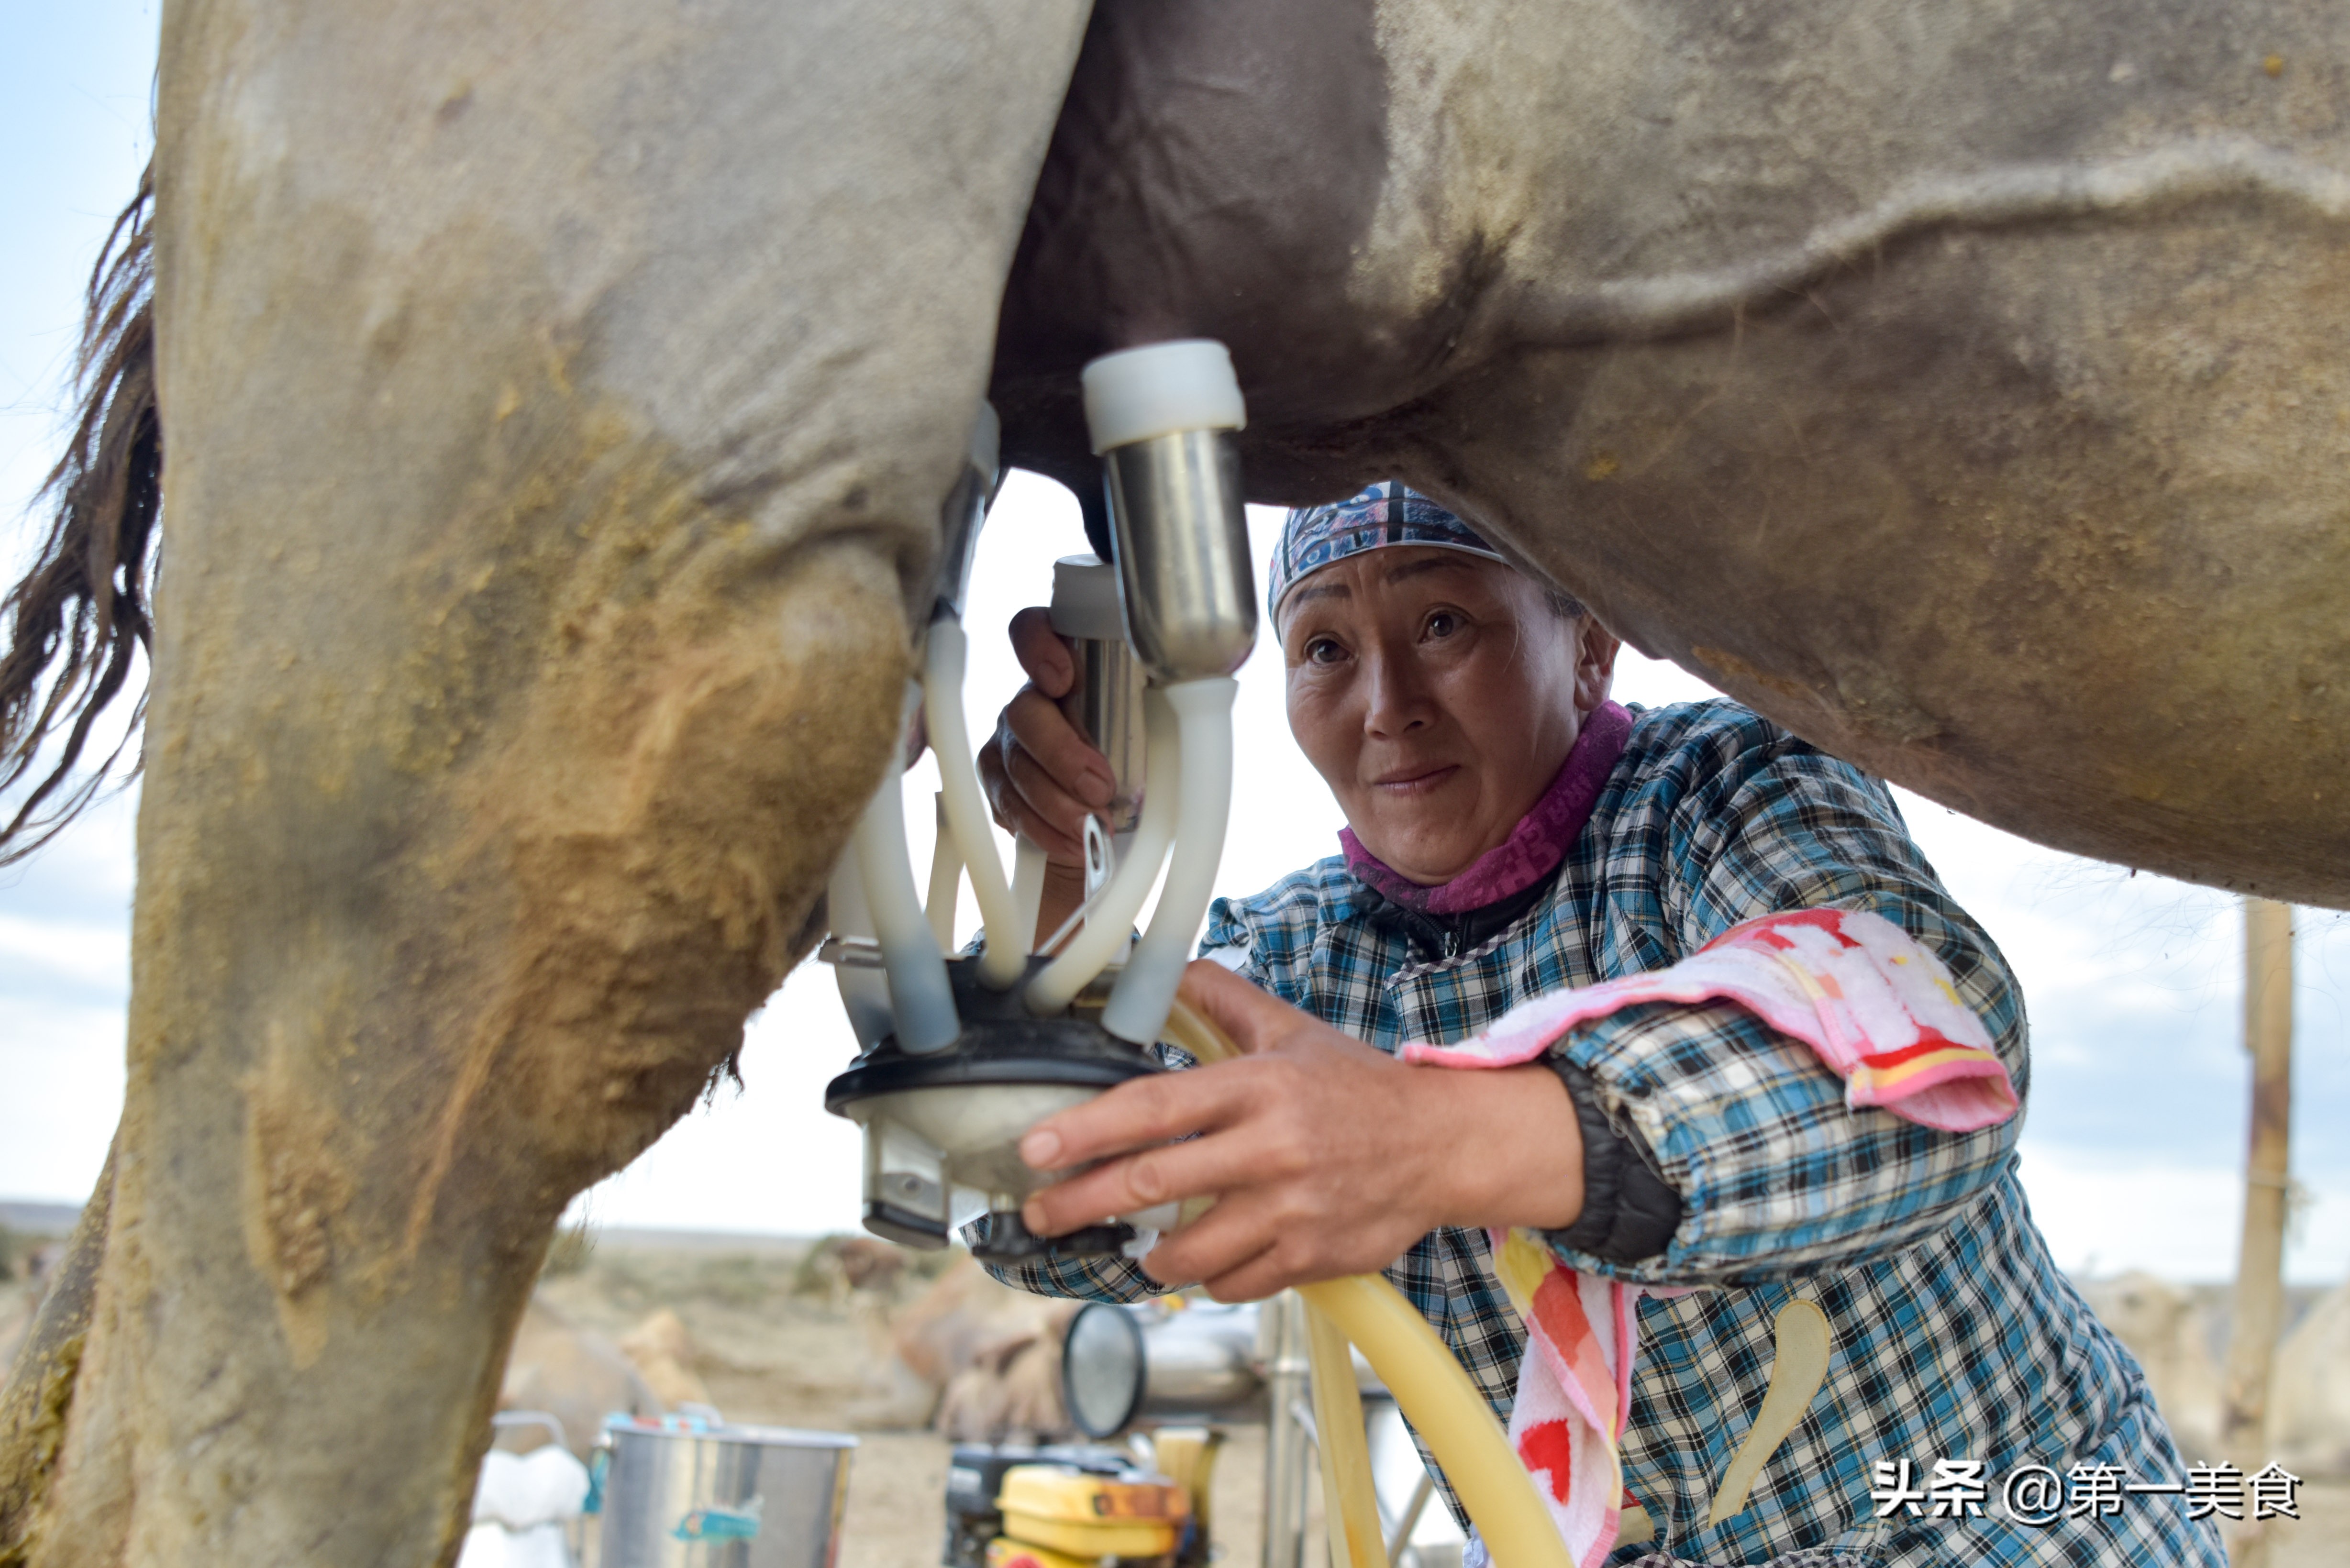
<point x="1437" y="692"/>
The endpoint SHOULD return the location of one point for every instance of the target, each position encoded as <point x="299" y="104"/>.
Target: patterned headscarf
<point x="1386" y="514"/>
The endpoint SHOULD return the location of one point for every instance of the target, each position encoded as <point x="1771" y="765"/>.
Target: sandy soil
<point x="2321" y="1538"/>
<point x="777" y="1340"/>
<point x="16" y="1301"/>
<point x="771" y="1345"/>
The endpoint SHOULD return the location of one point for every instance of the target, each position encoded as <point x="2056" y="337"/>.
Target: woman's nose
<point x="1397" y="700"/>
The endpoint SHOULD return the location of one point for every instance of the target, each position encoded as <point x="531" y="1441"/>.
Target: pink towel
<point x="1875" y="1006"/>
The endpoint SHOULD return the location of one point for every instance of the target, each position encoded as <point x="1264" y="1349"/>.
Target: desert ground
<point x="778" y="1335"/>
<point x="805" y="1333"/>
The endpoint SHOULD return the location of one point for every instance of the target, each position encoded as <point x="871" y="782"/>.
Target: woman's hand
<point x="1326" y="1156"/>
<point x="1042" y="777"/>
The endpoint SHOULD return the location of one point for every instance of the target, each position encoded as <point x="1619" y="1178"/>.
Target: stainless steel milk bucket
<point x="680" y="1492"/>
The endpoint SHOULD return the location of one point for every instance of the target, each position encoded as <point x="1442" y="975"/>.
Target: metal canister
<point x="682" y="1492"/>
<point x="1180" y="536"/>
<point x="1106" y="702"/>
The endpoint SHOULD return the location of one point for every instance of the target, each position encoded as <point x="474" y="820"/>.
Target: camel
<point x="2310" y="1400"/>
<point x="662" y="1352"/>
<point x="560" y="400"/>
<point x="974" y="1360"/>
<point x="574" y="1375"/>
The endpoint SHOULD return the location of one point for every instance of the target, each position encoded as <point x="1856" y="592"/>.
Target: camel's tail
<point x="72" y="632"/>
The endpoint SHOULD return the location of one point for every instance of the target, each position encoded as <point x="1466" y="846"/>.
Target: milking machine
<point x="961" y="1056"/>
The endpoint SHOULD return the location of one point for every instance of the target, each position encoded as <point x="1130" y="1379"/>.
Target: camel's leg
<point x="559" y="400"/>
<point x="39" y="1387"/>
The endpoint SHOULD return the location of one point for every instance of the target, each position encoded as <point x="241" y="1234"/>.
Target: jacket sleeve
<point x="1776" y="1176"/>
<point x="1088" y="1279"/>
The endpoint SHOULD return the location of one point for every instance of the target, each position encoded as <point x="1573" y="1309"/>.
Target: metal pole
<point x="2259" y="1266"/>
<point x="1286" y="1472"/>
<point x="1421" y="1492"/>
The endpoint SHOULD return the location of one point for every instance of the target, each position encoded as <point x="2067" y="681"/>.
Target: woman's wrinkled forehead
<point x="1352" y="580"/>
<point x="1385" y="516"/>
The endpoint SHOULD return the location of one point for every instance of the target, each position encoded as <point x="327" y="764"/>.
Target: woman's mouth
<point x="1416" y="781"/>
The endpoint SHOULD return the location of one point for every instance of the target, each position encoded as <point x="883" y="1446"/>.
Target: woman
<point x="1513" y="835"/>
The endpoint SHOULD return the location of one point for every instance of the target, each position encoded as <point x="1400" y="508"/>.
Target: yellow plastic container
<point x="1090" y="1517"/>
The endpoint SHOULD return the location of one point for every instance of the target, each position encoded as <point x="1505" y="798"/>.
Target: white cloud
<point x="2102" y="1213"/>
<point x="63" y="1071"/>
<point x="93" y="958"/>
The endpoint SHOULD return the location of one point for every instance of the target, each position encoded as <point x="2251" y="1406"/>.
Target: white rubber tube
<point x="919" y="998"/>
<point x="1112" y="921"/>
<point x="1203" y="713"/>
<point x="1004" y="954"/>
<point x="946" y="880"/>
<point x="864" y="992"/>
<point x="1027" y="886"/>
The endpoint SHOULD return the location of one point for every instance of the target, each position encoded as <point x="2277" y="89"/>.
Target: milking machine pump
<point x="962" y="1056"/>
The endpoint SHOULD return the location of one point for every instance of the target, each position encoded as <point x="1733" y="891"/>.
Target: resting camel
<point x="559" y="398"/>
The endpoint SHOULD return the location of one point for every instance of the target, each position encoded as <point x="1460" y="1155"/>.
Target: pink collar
<point x="1535" y="847"/>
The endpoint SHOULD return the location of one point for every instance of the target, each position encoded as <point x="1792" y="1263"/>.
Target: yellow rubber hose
<point x="1350" y="1503"/>
<point x="1189" y="1029"/>
<point x="1441" y="1402"/>
<point x="1435" y="1394"/>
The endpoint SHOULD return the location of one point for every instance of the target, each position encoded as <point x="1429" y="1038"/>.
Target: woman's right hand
<point x="1042" y="777"/>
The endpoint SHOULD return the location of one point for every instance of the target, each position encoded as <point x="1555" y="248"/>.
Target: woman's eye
<point x="1444" y="623"/>
<point x="1322" y="650"/>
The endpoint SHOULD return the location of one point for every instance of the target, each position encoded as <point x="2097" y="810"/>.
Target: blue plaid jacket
<point x="1955" y="1335"/>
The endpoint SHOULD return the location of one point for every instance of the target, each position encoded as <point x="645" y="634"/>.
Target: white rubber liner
<point x="1085" y="599"/>
<point x="920" y="1001"/>
<point x="1184" y="385"/>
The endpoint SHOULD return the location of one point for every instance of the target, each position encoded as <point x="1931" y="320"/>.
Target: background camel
<point x="558" y="403"/>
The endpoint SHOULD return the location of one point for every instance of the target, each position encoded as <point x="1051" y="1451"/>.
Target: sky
<point x="2133" y="1141"/>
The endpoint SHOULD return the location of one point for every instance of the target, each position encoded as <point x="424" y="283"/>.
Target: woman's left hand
<point x="1326" y="1156"/>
